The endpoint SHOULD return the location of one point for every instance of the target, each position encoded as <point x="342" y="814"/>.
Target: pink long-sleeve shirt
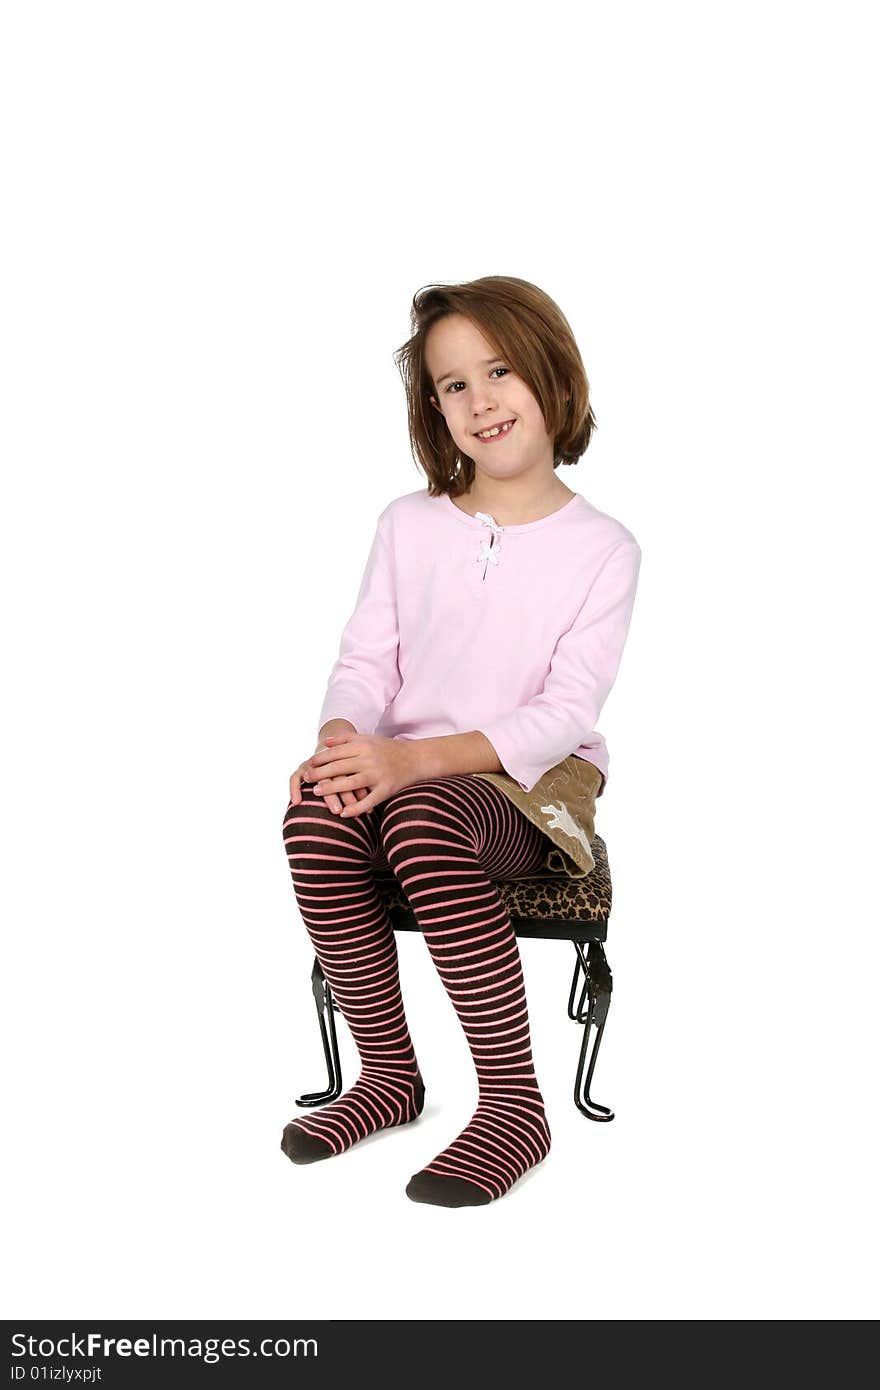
<point x="515" y="631"/>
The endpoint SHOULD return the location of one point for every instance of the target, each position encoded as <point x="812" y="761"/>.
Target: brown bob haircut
<point x="531" y="333"/>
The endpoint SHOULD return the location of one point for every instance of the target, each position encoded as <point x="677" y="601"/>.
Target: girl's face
<point x="475" y="390"/>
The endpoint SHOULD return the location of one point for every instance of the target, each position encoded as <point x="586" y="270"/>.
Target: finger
<point x="321" y="771"/>
<point x="366" y="804"/>
<point x="328" y="783"/>
<point x="296" y="782"/>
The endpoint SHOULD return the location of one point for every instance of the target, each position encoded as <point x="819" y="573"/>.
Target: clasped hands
<point x="358" y="769"/>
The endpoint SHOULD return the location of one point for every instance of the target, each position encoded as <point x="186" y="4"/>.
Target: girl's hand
<point x="306" y="773"/>
<point x="363" y="769"/>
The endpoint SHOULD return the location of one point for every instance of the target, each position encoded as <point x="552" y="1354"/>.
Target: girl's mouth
<point x="494" y="438"/>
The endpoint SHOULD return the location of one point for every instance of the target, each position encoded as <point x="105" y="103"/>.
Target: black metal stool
<point x="551" y="906"/>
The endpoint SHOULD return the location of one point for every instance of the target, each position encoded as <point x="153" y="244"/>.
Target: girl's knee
<point x="310" y="805"/>
<point x="398" y="809"/>
<point x="404" y="816"/>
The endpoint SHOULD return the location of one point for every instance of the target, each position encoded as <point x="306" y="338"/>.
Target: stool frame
<point x="588" y="1002"/>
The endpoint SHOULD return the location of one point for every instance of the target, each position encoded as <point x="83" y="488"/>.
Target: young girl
<point x="457" y="741"/>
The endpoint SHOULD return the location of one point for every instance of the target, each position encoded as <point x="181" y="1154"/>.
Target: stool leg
<point x="597" y="987"/>
<point x="325" y="1003"/>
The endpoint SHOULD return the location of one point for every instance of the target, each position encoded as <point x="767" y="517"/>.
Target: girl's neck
<point x="509" y="511"/>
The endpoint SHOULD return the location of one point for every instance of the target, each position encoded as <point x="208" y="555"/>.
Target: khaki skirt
<point x="562" y="803"/>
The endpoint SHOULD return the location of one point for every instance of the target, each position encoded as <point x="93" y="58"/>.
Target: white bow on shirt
<point x="489" y="550"/>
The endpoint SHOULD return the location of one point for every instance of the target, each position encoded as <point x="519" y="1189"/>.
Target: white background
<point x="216" y="216"/>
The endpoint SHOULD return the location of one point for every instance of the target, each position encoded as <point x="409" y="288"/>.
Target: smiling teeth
<point x="498" y="429"/>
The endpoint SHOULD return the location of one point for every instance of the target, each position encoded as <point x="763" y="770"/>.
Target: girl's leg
<point x="330" y="864"/>
<point x="445" y="839"/>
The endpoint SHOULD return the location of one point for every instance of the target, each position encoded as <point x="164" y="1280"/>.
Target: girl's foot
<point x="376" y="1101"/>
<point x="507" y="1136"/>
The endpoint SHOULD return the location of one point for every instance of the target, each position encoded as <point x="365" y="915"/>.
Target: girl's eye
<point x="459" y="383"/>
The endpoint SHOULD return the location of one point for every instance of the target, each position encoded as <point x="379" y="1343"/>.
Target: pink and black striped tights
<point x="445" y="840"/>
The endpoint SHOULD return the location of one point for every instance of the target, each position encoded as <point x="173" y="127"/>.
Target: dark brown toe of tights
<point x="303" y="1148"/>
<point x="445" y="1192"/>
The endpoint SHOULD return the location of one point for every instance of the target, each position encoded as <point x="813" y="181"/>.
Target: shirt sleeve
<point x="585" y="661"/>
<point x="366" y="677"/>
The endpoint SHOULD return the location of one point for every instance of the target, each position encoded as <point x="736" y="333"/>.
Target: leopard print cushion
<point x="546" y="895"/>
